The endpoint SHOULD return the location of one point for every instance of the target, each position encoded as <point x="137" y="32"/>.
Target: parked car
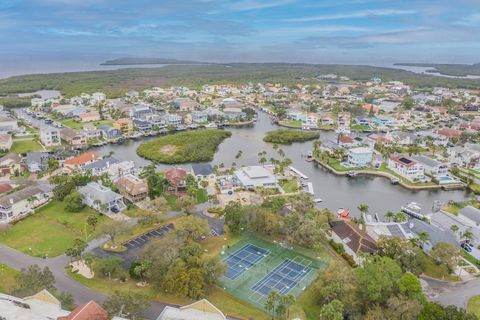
<point x="465" y="246"/>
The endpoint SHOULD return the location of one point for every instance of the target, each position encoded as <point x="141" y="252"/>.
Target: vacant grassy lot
<point x="79" y="125"/>
<point x="7" y="275"/>
<point x="51" y="230"/>
<point x="473" y="306"/>
<point x="190" y="146"/>
<point x="24" y="146"/>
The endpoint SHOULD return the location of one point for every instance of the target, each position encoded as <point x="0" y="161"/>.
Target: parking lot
<point x="141" y="240"/>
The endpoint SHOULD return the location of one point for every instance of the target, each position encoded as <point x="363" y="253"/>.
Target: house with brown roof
<point x="77" y="163"/>
<point x="10" y="164"/>
<point x="353" y="240"/>
<point x="73" y="137"/>
<point x="132" y="188"/>
<point x="177" y="180"/>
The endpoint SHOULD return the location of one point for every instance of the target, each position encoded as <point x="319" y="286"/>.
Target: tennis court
<point x="255" y="266"/>
<point x="242" y="260"/>
<point x="283" y="278"/>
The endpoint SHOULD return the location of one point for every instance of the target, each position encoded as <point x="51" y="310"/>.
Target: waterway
<point x="336" y="192"/>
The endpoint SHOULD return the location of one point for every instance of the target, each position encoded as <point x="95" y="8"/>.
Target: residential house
<point x="343" y="120"/>
<point x="19" y="204"/>
<point x="97" y="97"/>
<point x="387" y="229"/>
<point x="233" y="113"/>
<point x="401" y="138"/>
<point x="8" y="124"/>
<point x="345" y="141"/>
<point x="297" y="116"/>
<point x="50" y="136"/>
<point x="125" y="125"/>
<point x="132" y="188"/>
<point x="203" y="171"/>
<point x="73" y="137"/>
<point x="449" y="133"/>
<point x="431" y="167"/>
<point x="79" y="162"/>
<point x="88" y="311"/>
<point x="199" y="117"/>
<point x="142" y="125"/>
<point x="173" y="119"/>
<point x="110" y="133"/>
<point x="312" y="120"/>
<point x="37" y="162"/>
<point x="41" y="306"/>
<point x="97" y="168"/>
<point x="406" y="167"/>
<point x="119" y="169"/>
<point x="185" y="104"/>
<point x="91" y="132"/>
<point x="354" y="241"/>
<point x="101" y="198"/>
<point x="359" y="157"/>
<point x="89" y="116"/>
<point x="202" y="309"/>
<point x="6" y="141"/>
<point x="11" y="164"/>
<point x="255" y="176"/>
<point x="177" y="182"/>
<point x="140" y="112"/>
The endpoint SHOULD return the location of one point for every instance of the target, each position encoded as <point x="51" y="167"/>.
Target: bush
<point x="74" y="202"/>
<point x="282" y="136"/>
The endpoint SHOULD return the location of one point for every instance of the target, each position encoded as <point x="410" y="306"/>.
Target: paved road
<point x="457" y="294"/>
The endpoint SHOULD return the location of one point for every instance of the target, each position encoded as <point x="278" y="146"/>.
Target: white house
<point x="102" y="198"/>
<point x="431" y="167"/>
<point x="50" y="136"/>
<point x="21" y="203"/>
<point x="359" y="157"/>
<point x="406" y="167"/>
<point x="202" y="309"/>
<point x="255" y="176"/>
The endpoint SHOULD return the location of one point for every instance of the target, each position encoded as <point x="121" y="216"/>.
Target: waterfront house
<point x="176" y="178"/>
<point x="132" y="188"/>
<point x="202" y="309"/>
<point x="359" y="157"/>
<point x="37" y="162"/>
<point x="19" y="204"/>
<point x="11" y="164"/>
<point x="297" y="116"/>
<point x="173" y="119"/>
<point x="142" y="125"/>
<point x="345" y="141"/>
<point x="203" y="171"/>
<point x="406" y="167"/>
<point x="254" y="176"/>
<point x="401" y="138"/>
<point x="97" y="168"/>
<point x="73" y="137"/>
<point x="101" y="198"/>
<point x="124" y="125"/>
<point x="110" y="133"/>
<point x="50" y="136"/>
<point x="355" y="241"/>
<point x="79" y="162"/>
<point x="431" y="167"/>
<point x="312" y="120"/>
<point x="140" y="112"/>
<point x="199" y="117"/>
<point x="91" y="132"/>
<point x="343" y="120"/>
<point x="6" y="141"/>
<point x="185" y="104"/>
<point x="234" y="114"/>
<point x="119" y="169"/>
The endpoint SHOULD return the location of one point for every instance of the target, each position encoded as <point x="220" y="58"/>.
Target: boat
<point x="317" y="200"/>
<point x="211" y="125"/>
<point x="352" y="174"/>
<point x="394" y="180"/>
<point x="344" y="214"/>
<point x="413" y="209"/>
<point x="309" y="156"/>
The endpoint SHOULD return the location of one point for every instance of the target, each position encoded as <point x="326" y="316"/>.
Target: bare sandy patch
<point x="168" y="149"/>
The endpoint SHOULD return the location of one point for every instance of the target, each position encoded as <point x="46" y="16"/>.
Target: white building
<point x="8" y="124"/>
<point x="202" y="309"/>
<point x="19" y="204"/>
<point x="50" y="136"/>
<point x="255" y="176"/>
<point x="431" y="167"/>
<point x="406" y="167"/>
<point x="359" y="157"/>
<point x="101" y="198"/>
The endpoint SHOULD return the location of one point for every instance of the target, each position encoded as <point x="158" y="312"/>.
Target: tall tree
<point x="126" y="304"/>
<point x="32" y="280"/>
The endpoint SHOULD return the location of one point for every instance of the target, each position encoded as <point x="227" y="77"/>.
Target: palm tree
<point x="454" y="228"/>
<point x="262" y="161"/>
<point x="400" y="217"/>
<point x="281" y="153"/>
<point x="467" y="235"/>
<point x="363" y="208"/>
<point x="423" y="238"/>
<point x="390" y="215"/>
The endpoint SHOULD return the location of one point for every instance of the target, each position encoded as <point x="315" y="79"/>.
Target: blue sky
<point x="320" y="31"/>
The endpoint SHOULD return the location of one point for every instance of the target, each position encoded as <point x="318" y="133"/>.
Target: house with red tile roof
<point x="88" y="311"/>
<point x="450" y="133"/>
<point x="176" y="178"/>
<point x="77" y="163"/>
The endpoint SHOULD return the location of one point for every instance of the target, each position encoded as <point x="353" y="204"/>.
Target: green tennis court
<point x="272" y="267"/>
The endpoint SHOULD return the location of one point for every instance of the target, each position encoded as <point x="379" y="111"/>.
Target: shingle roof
<point x="353" y="237"/>
<point x="203" y="169"/>
<point x="8" y="200"/>
<point x="175" y="176"/>
<point x="132" y="184"/>
<point x="102" y="163"/>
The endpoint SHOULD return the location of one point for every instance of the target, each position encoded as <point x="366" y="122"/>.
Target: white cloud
<point x="352" y="15"/>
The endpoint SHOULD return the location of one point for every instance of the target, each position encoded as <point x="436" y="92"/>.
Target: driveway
<point x="451" y="293"/>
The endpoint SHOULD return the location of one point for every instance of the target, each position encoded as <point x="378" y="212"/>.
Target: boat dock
<point x="310" y="188"/>
<point x="298" y="173"/>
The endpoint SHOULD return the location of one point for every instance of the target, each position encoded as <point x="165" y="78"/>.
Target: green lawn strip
<point x="172" y="201"/>
<point x="292" y="123"/>
<point x="202" y="196"/>
<point x="471" y="258"/>
<point x="71" y="123"/>
<point x="361" y="127"/>
<point x="7" y="276"/>
<point x="289" y="186"/>
<point x="24" y="146"/>
<point x="473" y="305"/>
<point x="51" y="230"/>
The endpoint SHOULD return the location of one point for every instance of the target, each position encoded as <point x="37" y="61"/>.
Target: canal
<point x="336" y="192"/>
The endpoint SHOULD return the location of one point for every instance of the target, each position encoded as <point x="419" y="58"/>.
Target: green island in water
<point x="190" y="146"/>
<point x="283" y="136"/>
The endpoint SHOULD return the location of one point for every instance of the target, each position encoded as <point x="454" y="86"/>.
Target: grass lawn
<point x="25" y="146"/>
<point x="289" y="186"/>
<point x="172" y="201"/>
<point x="384" y="168"/>
<point x="50" y="230"/>
<point x="7" y="275"/>
<point x="79" y="125"/>
<point x="433" y="270"/>
<point x="202" y="195"/>
<point x="473" y="305"/>
<point x="292" y="123"/>
<point x="361" y="127"/>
